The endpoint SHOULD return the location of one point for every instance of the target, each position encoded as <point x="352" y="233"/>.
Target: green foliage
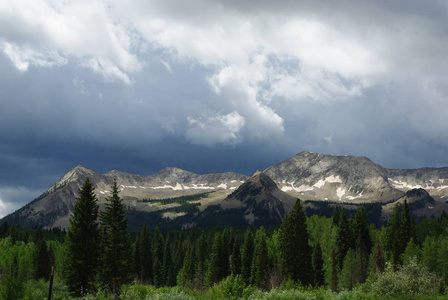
<point x="143" y="255"/>
<point x="233" y="287"/>
<point x="412" y="279"/>
<point x="82" y="243"/>
<point x="260" y="264"/>
<point x="295" y="250"/>
<point x="247" y="253"/>
<point x="116" y="246"/>
<point x="318" y="263"/>
<point x="12" y="284"/>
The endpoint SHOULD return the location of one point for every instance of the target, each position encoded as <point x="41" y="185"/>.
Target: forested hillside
<point x="340" y="255"/>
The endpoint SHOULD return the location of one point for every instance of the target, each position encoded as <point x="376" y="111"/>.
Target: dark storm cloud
<point x="213" y="86"/>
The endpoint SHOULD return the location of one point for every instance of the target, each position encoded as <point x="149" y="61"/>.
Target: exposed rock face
<point x="261" y="199"/>
<point x="313" y="176"/>
<point x="434" y="180"/>
<point x="53" y="208"/>
<point x="268" y="194"/>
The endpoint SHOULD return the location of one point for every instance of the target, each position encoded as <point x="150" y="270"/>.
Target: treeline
<point x="338" y="253"/>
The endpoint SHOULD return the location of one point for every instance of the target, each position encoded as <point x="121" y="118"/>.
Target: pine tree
<point x="336" y="215"/>
<point x="143" y="255"/>
<point x="343" y="239"/>
<point x="41" y="257"/>
<point x="318" y="264"/>
<point x="394" y="240"/>
<point x="334" y="272"/>
<point x="407" y="227"/>
<point x="260" y="263"/>
<point x="201" y="258"/>
<point x="186" y="274"/>
<point x="296" y="253"/>
<point x="214" y="272"/>
<point x="157" y="269"/>
<point x="169" y="274"/>
<point x="116" y="246"/>
<point x="235" y="259"/>
<point x="378" y="256"/>
<point x="82" y="243"/>
<point x="363" y="243"/>
<point x="247" y="253"/>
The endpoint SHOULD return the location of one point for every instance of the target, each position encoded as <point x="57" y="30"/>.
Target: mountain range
<point x="180" y="199"/>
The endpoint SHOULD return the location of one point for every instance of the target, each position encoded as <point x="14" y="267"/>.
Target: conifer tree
<point x="343" y="239"/>
<point x="260" y="262"/>
<point x="214" y="273"/>
<point x="185" y="277"/>
<point x="336" y="215"/>
<point x="168" y="268"/>
<point x="116" y="246"/>
<point x="318" y="264"/>
<point x="379" y="263"/>
<point x="235" y="258"/>
<point x="202" y="255"/>
<point x="296" y="253"/>
<point x="334" y="272"/>
<point x="363" y="243"/>
<point x="158" y="246"/>
<point x="143" y="255"/>
<point x="394" y="240"/>
<point x="407" y="227"/>
<point x="247" y="253"/>
<point x="82" y="243"/>
<point x="41" y="257"/>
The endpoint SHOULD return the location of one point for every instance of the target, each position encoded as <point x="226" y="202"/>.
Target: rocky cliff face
<point x="261" y="199"/>
<point x="313" y="176"/>
<point x="434" y="180"/>
<point x="53" y="207"/>
<point x="307" y="175"/>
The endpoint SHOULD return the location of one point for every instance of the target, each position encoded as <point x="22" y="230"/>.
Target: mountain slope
<point x="53" y="207"/>
<point x="313" y="176"/>
<point x="262" y="200"/>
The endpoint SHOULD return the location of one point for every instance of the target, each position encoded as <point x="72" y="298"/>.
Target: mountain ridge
<point x="306" y="175"/>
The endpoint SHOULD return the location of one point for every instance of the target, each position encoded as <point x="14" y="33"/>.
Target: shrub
<point x="413" y="279"/>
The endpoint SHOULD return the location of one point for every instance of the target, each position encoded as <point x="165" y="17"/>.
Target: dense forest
<point x="331" y="255"/>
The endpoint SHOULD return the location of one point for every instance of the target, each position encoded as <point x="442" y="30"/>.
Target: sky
<point x="214" y="86"/>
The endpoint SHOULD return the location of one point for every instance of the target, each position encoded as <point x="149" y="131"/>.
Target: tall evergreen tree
<point x="235" y="258"/>
<point x="168" y="267"/>
<point x="379" y="263"/>
<point x="343" y="239"/>
<point x="157" y="248"/>
<point x="41" y="257"/>
<point x="143" y="255"/>
<point x="260" y="261"/>
<point x="318" y="264"/>
<point x="336" y="215"/>
<point x="247" y="253"/>
<point x="116" y="246"/>
<point x="82" y="243"/>
<point x="296" y="253"/>
<point x="214" y="272"/>
<point x="334" y="272"/>
<point x="202" y="255"/>
<point x="394" y="239"/>
<point x="407" y="227"/>
<point x="363" y="243"/>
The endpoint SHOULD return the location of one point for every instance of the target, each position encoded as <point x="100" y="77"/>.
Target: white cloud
<point x="48" y="33"/>
<point x="215" y="129"/>
<point x="12" y="198"/>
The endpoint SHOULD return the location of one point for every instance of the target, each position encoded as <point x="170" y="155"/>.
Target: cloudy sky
<point x="213" y="86"/>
